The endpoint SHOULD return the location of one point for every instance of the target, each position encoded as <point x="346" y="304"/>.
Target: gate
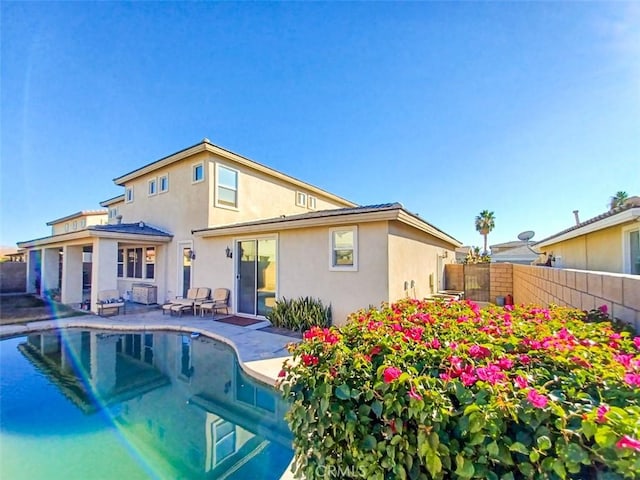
<point x="476" y="282"/>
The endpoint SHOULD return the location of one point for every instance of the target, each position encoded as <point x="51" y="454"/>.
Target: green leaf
<point x="343" y="392"/>
<point x="520" y="448"/>
<point x="526" y="469"/>
<point x="465" y="467"/>
<point x="605" y="437"/>
<point x="576" y="454"/>
<point x="544" y="442"/>
<point x="434" y="465"/>
<point x="534" y="456"/>
<point x="507" y="476"/>
<point x="558" y="467"/>
<point x="376" y="406"/>
<point x="493" y="449"/>
<point x="369" y="442"/>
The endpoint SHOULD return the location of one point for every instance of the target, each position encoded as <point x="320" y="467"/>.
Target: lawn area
<point x="29" y="308"/>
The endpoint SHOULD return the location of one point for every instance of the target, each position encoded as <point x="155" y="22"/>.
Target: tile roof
<point x="139" y="228"/>
<point x="309" y="215"/>
<point x="602" y="216"/>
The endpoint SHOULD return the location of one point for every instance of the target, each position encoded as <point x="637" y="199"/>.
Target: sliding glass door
<point x="256" y="267"/>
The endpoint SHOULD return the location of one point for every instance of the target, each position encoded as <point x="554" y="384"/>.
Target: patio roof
<point x="122" y="231"/>
<point x="343" y="216"/>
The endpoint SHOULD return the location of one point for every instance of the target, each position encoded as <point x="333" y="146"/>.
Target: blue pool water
<point x="77" y="404"/>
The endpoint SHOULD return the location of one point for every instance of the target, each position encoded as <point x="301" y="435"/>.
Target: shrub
<point x="447" y="390"/>
<point x="300" y="314"/>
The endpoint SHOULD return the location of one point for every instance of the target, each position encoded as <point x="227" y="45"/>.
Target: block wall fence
<point x="13" y="277"/>
<point x="580" y="289"/>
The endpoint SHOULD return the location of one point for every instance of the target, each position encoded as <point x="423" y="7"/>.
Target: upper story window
<point x="66" y="227"/>
<point x="343" y="253"/>
<point x="311" y="202"/>
<point x="301" y="199"/>
<point x="83" y="223"/>
<point x="75" y="224"/>
<point x="197" y="173"/>
<point x="226" y="187"/>
<point x="113" y="212"/>
<point x="152" y="187"/>
<point x="128" y="194"/>
<point x="164" y="183"/>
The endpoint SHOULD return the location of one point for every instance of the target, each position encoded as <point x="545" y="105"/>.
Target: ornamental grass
<point x="448" y="390"/>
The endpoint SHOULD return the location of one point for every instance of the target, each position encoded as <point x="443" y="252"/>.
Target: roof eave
<point x="82" y="213"/>
<point x="89" y="233"/>
<point x="622" y="217"/>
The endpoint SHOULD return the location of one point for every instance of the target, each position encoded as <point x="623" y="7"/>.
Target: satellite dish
<point x="526" y="236"/>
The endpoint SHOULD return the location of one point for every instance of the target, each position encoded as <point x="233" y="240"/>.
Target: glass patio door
<point x="256" y="269"/>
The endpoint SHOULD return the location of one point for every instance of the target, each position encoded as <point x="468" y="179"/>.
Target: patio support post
<point x="50" y="269"/>
<point x="104" y="271"/>
<point x="71" y="288"/>
<point x="34" y="260"/>
<point x="103" y="364"/>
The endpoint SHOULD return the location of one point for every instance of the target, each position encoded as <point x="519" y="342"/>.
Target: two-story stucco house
<point x="208" y="217"/>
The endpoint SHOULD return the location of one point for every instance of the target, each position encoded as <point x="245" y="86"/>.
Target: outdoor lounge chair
<point x="219" y="300"/>
<point x="194" y="297"/>
<point x="110" y="300"/>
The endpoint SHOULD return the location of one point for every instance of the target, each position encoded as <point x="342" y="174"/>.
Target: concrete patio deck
<point x="260" y="353"/>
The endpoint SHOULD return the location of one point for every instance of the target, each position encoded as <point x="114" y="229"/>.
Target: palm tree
<point x="618" y="199"/>
<point x="484" y="224"/>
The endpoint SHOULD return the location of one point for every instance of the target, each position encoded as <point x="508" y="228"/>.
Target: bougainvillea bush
<point x="447" y="390"/>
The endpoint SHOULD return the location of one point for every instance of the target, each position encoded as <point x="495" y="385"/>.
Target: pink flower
<point x="603" y="309"/>
<point x="629" y="442"/>
<point x="505" y="363"/>
<point x="462" y="319"/>
<point x="374" y="325"/>
<point x="435" y="344"/>
<point x="521" y="382"/>
<point x="468" y="379"/>
<point x="375" y="350"/>
<point x="414" y="333"/>
<point x="524" y="359"/>
<point x="282" y="374"/>
<point x="312" y="333"/>
<point x="623" y="359"/>
<point x="415" y="395"/>
<point x="537" y="399"/>
<point x="636" y="342"/>
<point x="309" y="360"/>
<point x="602" y="412"/>
<point x="477" y="351"/>
<point x="491" y="374"/>
<point x="445" y="377"/>
<point x="391" y="373"/>
<point x="632" y="379"/>
<point x="508" y="308"/>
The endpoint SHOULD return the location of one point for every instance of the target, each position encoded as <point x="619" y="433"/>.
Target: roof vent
<point x="206" y="140"/>
<point x="575" y="214"/>
<point x="141" y="224"/>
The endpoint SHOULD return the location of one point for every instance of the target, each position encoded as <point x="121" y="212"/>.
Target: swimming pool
<point x="91" y="404"/>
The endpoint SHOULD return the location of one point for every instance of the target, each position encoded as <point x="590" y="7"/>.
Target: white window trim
<point x="128" y="192"/>
<point x="301" y="199"/>
<point x="626" y="247"/>
<point x="165" y="176"/>
<point x="217" y="184"/>
<point x="312" y="202"/>
<point x="125" y="261"/>
<point x="344" y="268"/>
<point x="153" y="181"/>
<point x="193" y="172"/>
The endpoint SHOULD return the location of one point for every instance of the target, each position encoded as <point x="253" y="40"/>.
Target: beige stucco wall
<point x="303" y="268"/>
<point x="416" y="261"/>
<point x="598" y="251"/>
<point x="59" y="228"/>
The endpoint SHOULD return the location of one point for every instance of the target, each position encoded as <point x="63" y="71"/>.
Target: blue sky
<point x="530" y="110"/>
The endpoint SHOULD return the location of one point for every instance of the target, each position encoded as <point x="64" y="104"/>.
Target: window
<point x="150" y="262"/>
<point x="66" y="227"/>
<point x="83" y="223"/>
<point x="344" y="248"/>
<point x="113" y="212"/>
<point x="311" y="202"/>
<point x="75" y="224"/>
<point x="128" y="194"/>
<point x="301" y="199"/>
<point x="134" y="262"/>
<point x="120" y="262"/>
<point x="226" y="187"/>
<point x="631" y="250"/>
<point x="164" y="183"/>
<point x="197" y="174"/>
<point x="152" y="190"/>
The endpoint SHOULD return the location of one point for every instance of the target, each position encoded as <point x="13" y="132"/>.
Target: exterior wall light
<point x="228" y="252"/>
<point x="190" y="254"/>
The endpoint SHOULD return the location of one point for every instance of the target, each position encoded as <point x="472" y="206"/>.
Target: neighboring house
<point x="518" y="251"/>
<point x="461" y="253"/>
<point x="205" y="216"/>
<point x="609" y="242"/>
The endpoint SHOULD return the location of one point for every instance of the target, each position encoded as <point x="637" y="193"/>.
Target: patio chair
<point x="219" y="301"/>
<point x="192" y="293"/>
<point x="195" y="296"/>
<point x="110" y="300"/>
